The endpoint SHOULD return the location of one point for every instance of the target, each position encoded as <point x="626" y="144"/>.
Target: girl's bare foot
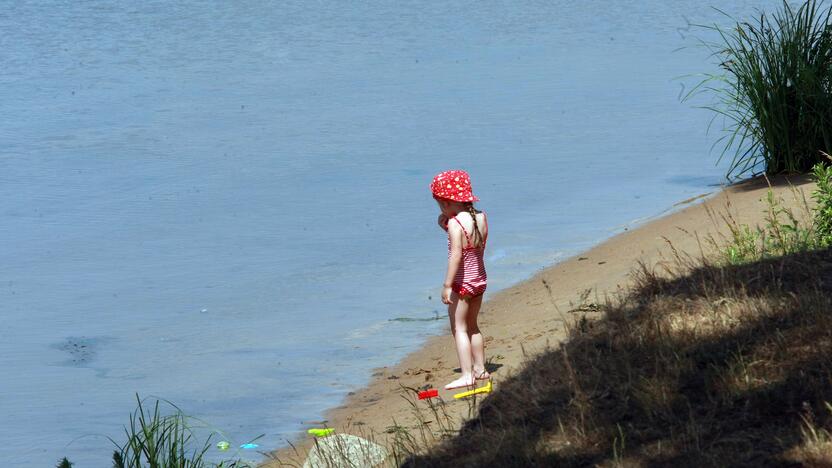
<point x="482" y="374"/>
<point x="462" y="382"/>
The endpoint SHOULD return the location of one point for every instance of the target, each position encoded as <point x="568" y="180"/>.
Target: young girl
<point x="465" y="279"/>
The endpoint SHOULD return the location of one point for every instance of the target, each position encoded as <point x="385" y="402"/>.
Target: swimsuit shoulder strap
<point x="463" y="230"/>
<point x="485" y="222"/>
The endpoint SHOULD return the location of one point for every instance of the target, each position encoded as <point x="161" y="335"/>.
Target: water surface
<point x="225" y="204"/>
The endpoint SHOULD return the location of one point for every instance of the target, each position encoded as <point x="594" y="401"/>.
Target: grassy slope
<point x="711" y="366"/>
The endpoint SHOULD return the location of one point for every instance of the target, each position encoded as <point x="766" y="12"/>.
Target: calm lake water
<point x="224" y="204"/>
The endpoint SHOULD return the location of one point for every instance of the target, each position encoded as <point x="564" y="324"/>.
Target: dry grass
<point x="710" y="366"/>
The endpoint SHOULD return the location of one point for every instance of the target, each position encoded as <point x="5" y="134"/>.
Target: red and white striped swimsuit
<point x="470" y="279"/>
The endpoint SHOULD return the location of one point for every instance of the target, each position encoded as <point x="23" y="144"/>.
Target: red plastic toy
<point x="428" y="394"/>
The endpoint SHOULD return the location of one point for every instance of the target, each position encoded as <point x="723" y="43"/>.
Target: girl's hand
<point x="446" y="294"/>
<point x="443" y="221"/>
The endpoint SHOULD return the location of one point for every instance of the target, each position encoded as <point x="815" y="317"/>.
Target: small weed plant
<point x="784" y="233"/>
<point x="822" y="176"/>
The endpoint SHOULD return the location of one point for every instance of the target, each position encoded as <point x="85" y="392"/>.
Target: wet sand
<point x="526" y="318"/>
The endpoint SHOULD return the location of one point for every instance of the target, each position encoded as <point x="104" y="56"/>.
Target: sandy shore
<point x="523" y="319"/>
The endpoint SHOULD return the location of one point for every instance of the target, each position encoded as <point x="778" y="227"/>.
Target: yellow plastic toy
<point x="321" y="432"/>
<point x="484" y="389"/>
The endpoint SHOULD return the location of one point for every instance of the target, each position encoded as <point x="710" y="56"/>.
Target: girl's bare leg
<point x="475" y="337"/>
<point x="458" y="312"/>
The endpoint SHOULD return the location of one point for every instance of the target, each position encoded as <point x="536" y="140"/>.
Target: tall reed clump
<point x="776" y="92"/>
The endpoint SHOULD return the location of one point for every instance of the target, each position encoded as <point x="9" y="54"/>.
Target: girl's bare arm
<point x="455" y="234"/>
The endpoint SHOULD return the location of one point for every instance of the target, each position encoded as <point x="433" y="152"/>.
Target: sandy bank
<point x="523" y="318"/>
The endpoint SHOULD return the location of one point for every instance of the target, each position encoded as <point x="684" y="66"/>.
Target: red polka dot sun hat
<point x="453" y="185"/>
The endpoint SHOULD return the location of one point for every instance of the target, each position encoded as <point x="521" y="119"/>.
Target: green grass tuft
<point x="154" y="439"/>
